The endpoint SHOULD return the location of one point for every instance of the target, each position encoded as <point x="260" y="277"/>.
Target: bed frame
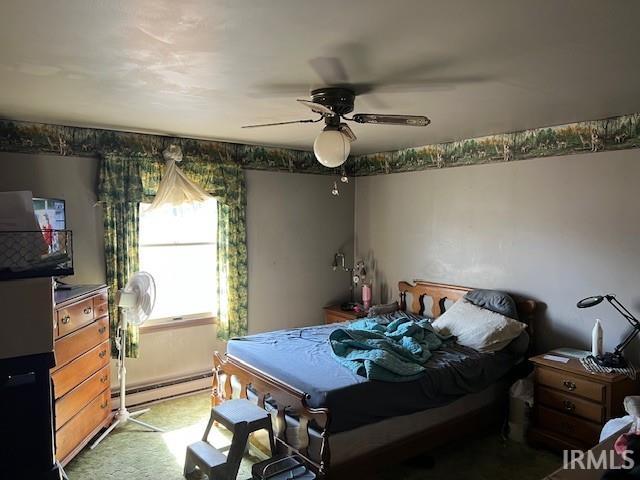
<point x="293" y="402"/>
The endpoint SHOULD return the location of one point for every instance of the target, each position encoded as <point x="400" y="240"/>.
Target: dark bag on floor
<point x="282" y="468"/>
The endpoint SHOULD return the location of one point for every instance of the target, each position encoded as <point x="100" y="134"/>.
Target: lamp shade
<point x="331" y="148"/>
<point x="590" y="301"/>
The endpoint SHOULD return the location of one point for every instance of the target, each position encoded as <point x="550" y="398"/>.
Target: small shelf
<point x="32" y="254"/>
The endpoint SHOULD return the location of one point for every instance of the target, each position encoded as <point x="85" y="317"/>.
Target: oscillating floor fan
<point x="136" y="300"/>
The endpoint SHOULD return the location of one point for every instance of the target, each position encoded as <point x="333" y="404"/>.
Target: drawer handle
<point x="104" y="379"/>
<point x="101" y="330"/>
<point x="102" y="353"/>
<point x="569" y="385"/>
<point x="104" y="405"/>
<point x="568" y="406"/>
<point x="66" y="319"/>
<point x="87" y="310"/>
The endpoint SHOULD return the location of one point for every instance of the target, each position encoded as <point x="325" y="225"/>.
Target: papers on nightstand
<point x="571" y="352"/>
<point x="556" y="358"/>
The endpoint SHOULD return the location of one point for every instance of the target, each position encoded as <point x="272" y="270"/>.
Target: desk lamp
<point x="613" y="359"/>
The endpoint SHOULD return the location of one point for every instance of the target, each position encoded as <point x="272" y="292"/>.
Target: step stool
<point x="240" y="417"/>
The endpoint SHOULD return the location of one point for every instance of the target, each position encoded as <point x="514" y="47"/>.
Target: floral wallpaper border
<point x="28" y="137"/>
<point x="616" y="133"/>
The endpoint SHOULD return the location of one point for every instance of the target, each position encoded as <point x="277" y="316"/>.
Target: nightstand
<point x="572" y="404"/>
<point x="333" y="314"/>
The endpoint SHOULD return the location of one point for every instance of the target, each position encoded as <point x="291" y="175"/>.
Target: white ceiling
<point x="200" y="68"/>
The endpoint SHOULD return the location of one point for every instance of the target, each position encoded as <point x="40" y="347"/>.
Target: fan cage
<point x="34" y="253"/>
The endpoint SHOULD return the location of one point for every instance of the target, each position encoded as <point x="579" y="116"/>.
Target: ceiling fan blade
<point x="347" y="132"/>
<point x="417" y="70"/>
<point x="330" y="70"/>
<point x="403" y="120"/>
<point x="427" y="84"/>
<point x="281" y="123"/>
<point x="317" y="107"/>
<point x="280" y="90"/>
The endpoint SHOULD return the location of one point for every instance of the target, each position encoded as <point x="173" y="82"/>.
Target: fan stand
<point x="123" y="415"/>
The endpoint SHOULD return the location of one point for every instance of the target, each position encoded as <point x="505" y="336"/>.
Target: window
<point x="178" y="247"/>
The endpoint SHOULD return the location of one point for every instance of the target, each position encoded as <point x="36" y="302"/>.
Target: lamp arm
<point x="622" y="310"/>
<point x="627" y="340"/>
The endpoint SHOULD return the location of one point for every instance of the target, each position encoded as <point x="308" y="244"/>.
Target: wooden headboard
<point x="441" y="292"/>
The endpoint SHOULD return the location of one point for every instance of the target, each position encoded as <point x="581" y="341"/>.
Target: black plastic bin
<point x="283" y="467"/>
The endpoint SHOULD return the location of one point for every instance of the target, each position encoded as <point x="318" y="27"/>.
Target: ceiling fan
<point x="335" y="99"/>
<point x="332" y="145"/>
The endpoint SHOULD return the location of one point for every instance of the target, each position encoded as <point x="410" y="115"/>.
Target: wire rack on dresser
<point x="81" y="377"/>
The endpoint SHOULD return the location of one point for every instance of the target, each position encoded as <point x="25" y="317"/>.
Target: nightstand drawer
<point x="571" y="384"/>
<point x="333" y="317"/>
<point x="334" y="313"/>
<point x="570" y="404"/>
<point x="567" y="425"/>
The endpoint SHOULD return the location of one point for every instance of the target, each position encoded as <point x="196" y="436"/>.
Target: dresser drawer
<point x="80" y="426"/>
<point x="570" y="404"/>
<point x="571" y="383"/>
<point x="100" y="305"/>
<point x="79" y="397"/>
<point x="567" y="425"/>
<point x="67" y="377"/>
<point x="74" y="317"/>
<point x="80" y="341"/>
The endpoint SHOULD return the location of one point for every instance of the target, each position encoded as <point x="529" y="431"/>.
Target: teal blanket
<point x="395" y="352"/>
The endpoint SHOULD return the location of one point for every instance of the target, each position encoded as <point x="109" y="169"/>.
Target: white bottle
<point x="596" y="339"/>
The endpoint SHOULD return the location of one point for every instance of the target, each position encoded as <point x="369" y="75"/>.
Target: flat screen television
<point x="51" y="216"/>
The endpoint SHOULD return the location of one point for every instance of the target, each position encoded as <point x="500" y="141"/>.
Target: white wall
<point x="293" y="225"/>
<point x="554" y="229"/>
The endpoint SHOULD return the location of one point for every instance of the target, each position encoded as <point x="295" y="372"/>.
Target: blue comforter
<point x="302" y="358"/>
<point x="395" y="352"/>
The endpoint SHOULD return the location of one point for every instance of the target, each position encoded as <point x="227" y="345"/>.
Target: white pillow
<point x="477" y="327"/>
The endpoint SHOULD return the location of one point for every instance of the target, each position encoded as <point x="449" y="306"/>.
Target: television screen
<point x="50" y="215"/>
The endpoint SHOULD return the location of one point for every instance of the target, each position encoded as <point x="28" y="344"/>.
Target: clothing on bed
<point x="302" y="358"/>
<point x="393" y="352"/>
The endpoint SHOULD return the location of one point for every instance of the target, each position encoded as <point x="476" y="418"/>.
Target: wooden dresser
<point x="81" y="377"/>
<point x="572" y="404"/>
<point x="333" y="314"/>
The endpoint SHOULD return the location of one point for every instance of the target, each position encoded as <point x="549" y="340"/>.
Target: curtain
<point x="120" y="191"/>
<point x="223" y="180"/>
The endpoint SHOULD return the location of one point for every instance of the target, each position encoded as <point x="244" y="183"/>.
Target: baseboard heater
<point x="155" y="392"/>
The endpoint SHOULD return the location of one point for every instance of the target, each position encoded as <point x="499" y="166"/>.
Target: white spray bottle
<point x="596" y="339"/>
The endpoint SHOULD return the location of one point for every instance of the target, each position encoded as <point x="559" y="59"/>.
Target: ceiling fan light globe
<point x="331" y="148"/>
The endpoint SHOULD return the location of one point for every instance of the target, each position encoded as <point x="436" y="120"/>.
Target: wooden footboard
<point x="284" y="398"/>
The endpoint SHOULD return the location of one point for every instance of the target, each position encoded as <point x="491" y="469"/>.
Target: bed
<point x="339" y="421"/>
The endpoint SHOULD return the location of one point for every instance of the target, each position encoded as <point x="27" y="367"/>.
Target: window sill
<point x="176" y="324"/>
